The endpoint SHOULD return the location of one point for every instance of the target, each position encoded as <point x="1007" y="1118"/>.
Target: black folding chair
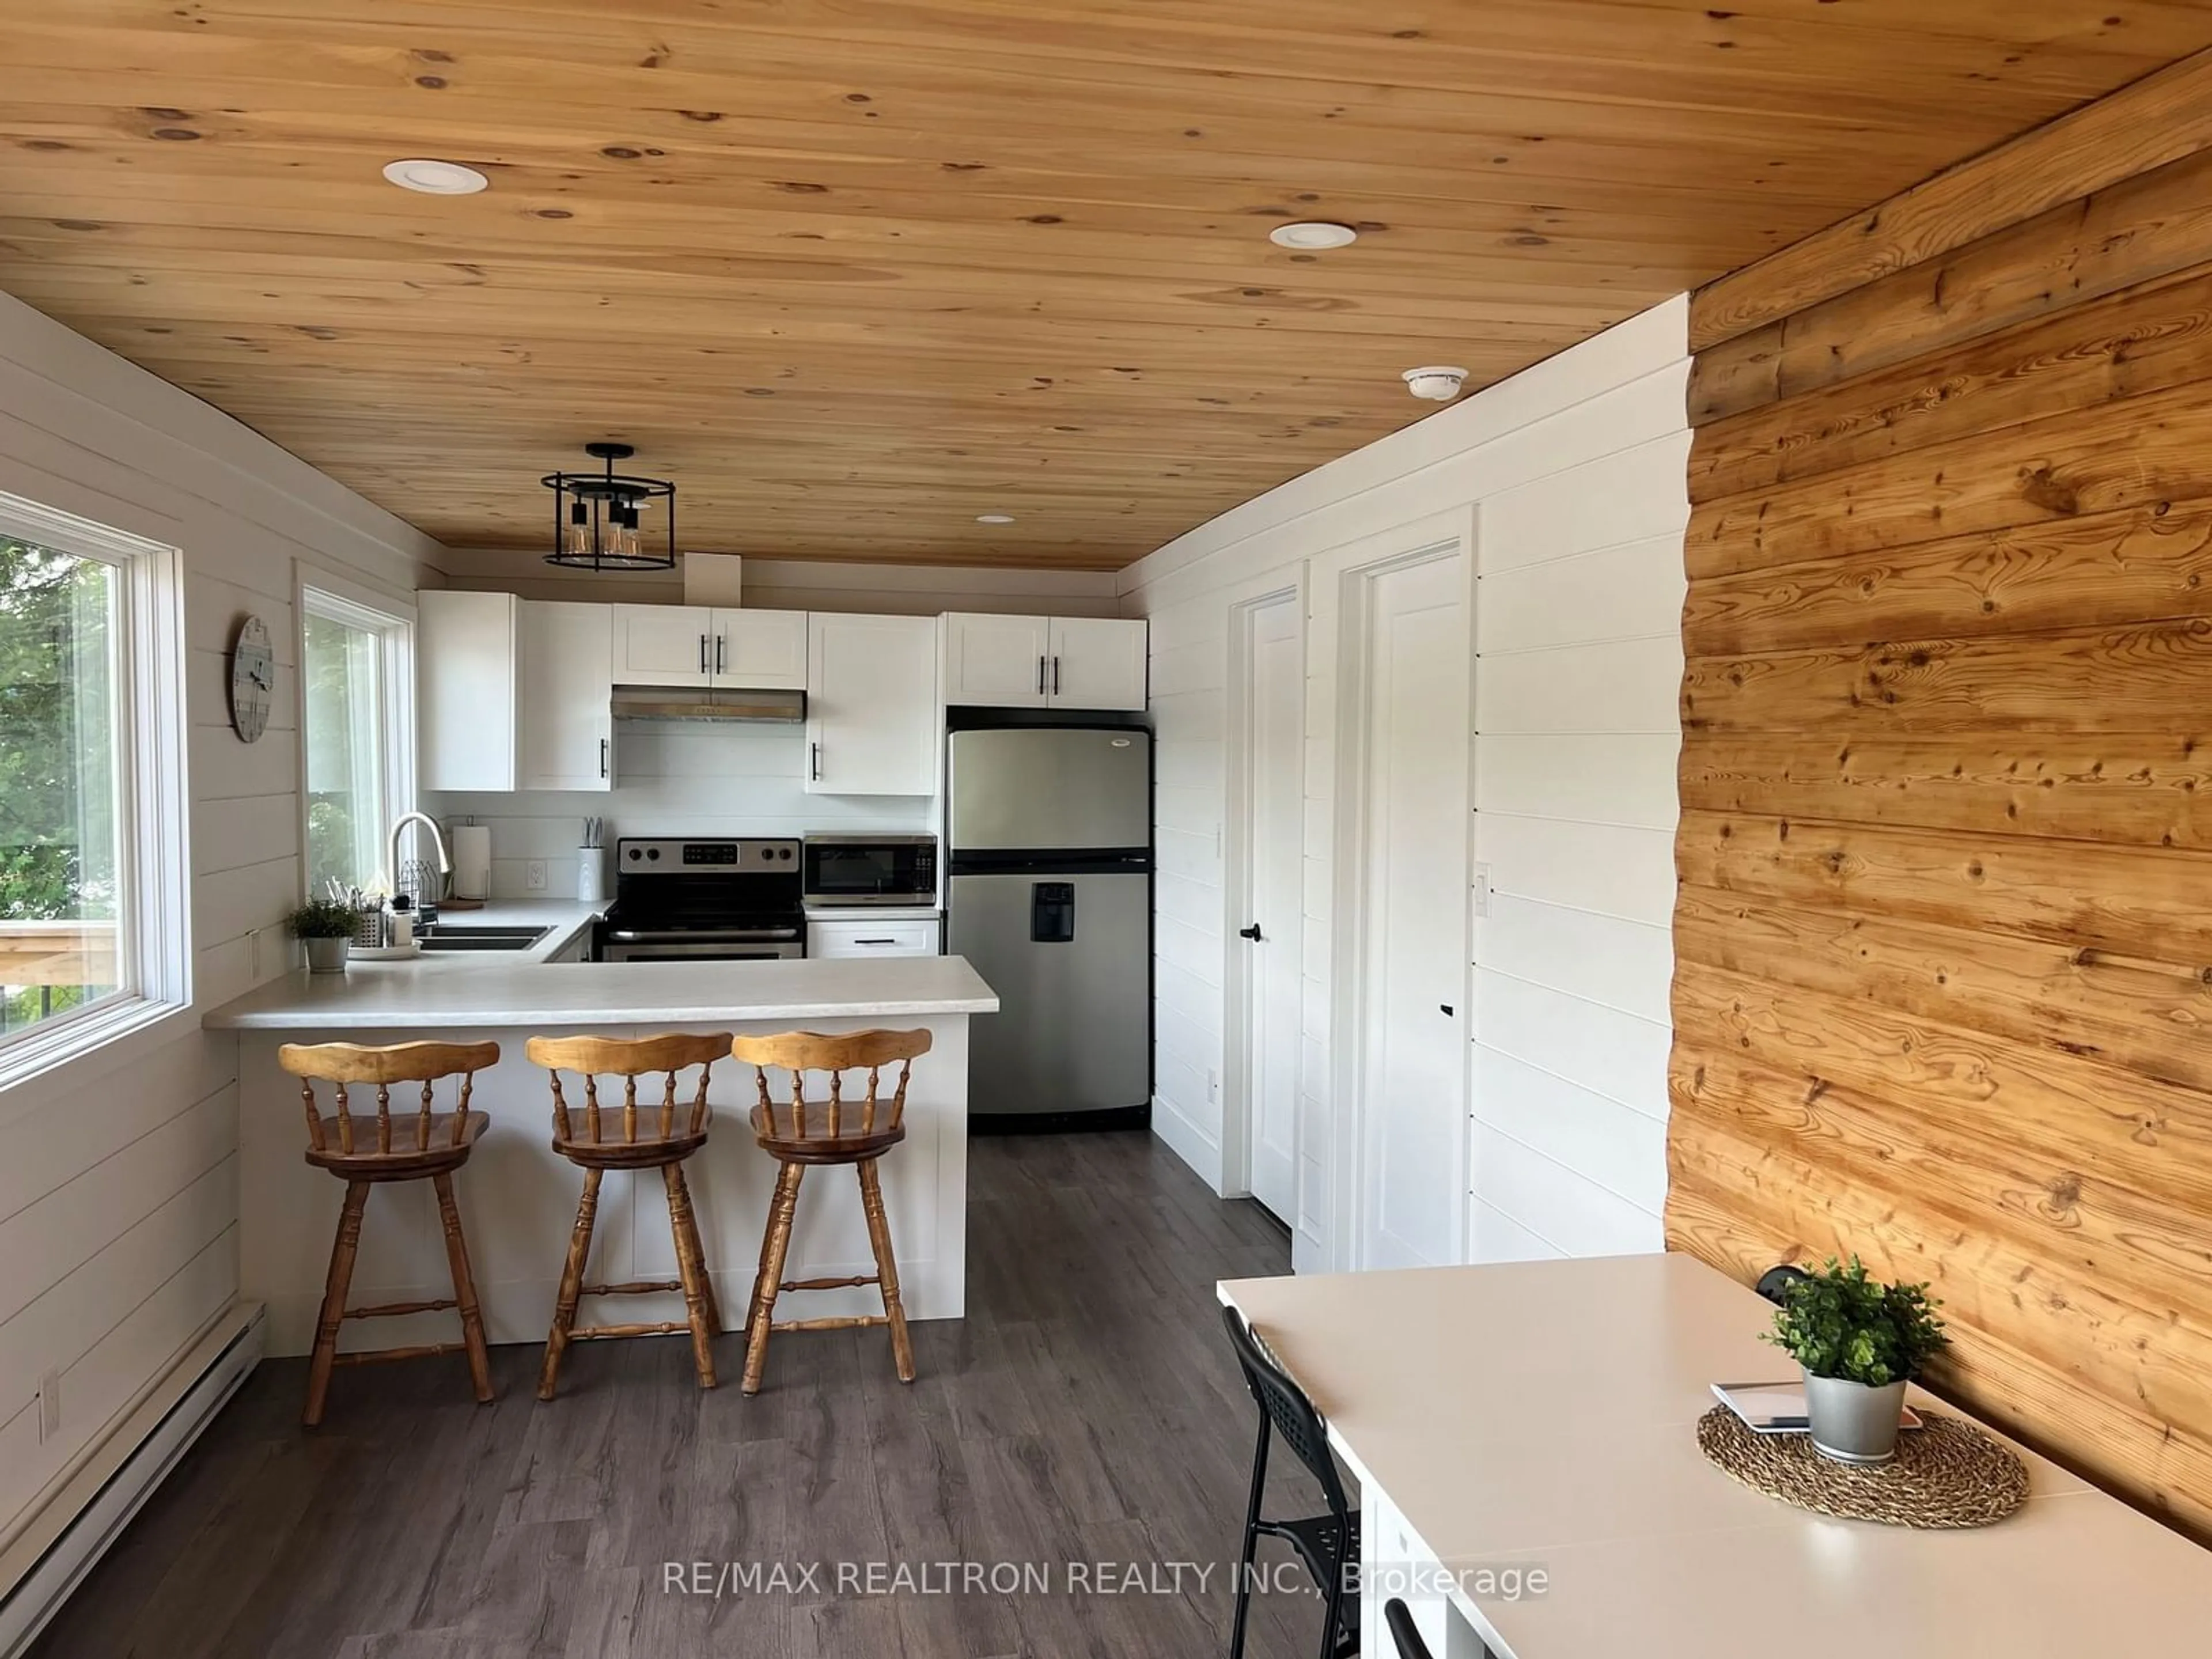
<point x="1328" y="1544"/>
<point x="1774" y="1284"/>
<point x="1401" y="1620"/>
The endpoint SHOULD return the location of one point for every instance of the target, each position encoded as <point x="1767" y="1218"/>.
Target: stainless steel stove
<point x="703" y="899"/>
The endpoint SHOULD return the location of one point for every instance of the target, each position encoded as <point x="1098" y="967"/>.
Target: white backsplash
<point x="673" y="778"/>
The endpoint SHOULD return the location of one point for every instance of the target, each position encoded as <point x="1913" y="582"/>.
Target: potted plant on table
<point x="327" y="926"/>
<point x="1860" y="1341"/>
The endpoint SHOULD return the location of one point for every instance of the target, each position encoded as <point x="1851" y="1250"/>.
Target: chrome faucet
<point x="426" y="904"/>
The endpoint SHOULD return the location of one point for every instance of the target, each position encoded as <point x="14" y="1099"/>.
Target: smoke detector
<point x="1437" y="382"/>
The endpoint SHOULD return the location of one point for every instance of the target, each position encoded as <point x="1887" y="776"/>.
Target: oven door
<point x="626" y="944"/>
<point x="862" y="870"/>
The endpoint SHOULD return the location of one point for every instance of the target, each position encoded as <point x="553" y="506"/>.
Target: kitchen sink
<point x="442" y="936"/>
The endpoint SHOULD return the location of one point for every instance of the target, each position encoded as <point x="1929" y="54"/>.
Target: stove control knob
<point x="783" y="852"/>
<point x="635" y="853"/>
<point x="653" y="853"/>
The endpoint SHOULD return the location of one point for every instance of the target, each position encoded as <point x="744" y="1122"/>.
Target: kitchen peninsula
<point x="519" y="1198"/>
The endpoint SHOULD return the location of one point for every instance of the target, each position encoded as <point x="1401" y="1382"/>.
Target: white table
<point x="1539" y="1415"/>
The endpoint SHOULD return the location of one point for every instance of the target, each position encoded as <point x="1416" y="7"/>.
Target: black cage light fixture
<point x="599" y="518"/>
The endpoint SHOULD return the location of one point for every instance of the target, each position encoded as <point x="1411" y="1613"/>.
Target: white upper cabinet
<point x="761" y="650"/>
<point x="466" y="654"/>
<point x="1043" y="662"/>
<point x="1097" y="662"/>
<point x="872" y="726"/>
<point x="692" y="645"/>
<point x="663" y="644"/>
<point x="1000" y="661"/>
<point x="568" y="685"/>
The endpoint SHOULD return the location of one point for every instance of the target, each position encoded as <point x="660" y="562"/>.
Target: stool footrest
<point x="377" y="1356"/>
<point x="393" y="1309"/>
<point x="635" y="1287"/>
<point x="595" y="1333"/>
<point x="828" y="1284"/>
<point x="857" y="1323"/>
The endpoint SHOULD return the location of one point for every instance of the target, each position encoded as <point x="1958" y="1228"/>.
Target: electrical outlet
<point x="534" y="875"/>
<point x="1481" y="890"/>
<point x="50" y="1406"/>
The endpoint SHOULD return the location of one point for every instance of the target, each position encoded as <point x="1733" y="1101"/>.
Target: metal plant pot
<point x="1852" y="1422"/>
<point x="328" y="955"/>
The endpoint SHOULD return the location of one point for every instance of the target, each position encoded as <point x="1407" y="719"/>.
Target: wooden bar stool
<point x="364" y="1152"/>
<point x="660" y="1138"/>
<point x="804" y="1132"/>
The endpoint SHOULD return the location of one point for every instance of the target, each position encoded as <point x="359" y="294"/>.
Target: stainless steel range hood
<point x="676" y="702"/>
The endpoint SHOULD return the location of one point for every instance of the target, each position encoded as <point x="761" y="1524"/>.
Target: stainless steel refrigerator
<point x="1049" y="894"/>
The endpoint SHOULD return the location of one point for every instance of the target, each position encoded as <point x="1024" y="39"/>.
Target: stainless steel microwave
<point x="867" y="870"/>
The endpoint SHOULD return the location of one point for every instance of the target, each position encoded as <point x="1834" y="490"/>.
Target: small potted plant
<point x="1860" y="1341"/>
<point x="327" y="926"/>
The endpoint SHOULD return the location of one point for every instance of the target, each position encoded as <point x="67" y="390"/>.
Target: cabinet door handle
<point x="603" y="757"/>
<point x="814" y="761"/>
<point x="875" y="941"/>
<point x="721" y="640"/>
<point x="1251" y="932"/>
<point x="1040" y="677"/>
<point x="1055" y="676"/>
<point x="703" y="653"/>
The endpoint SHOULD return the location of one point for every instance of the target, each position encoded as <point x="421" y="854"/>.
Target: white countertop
<point x="464" y="990"/>
<point x="1542" y="1414"/>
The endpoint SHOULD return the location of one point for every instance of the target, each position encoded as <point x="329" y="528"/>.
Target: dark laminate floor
<point x="1085" y="1410"/>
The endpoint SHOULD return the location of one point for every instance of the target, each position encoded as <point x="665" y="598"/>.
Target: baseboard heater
<point x="121" y="1473"/>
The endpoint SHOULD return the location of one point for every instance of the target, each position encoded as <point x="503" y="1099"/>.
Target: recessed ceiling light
<point x="994" y="518"/>
<point x="435" y="177"/>
<point x="1313" y="233"/>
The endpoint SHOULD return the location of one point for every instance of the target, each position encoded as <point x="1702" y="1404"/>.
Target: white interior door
<point x="1414" y="920"/>
<point x="1274" y="893"/>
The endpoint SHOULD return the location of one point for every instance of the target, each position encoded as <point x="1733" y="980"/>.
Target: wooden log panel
<point x="1943" y="937"/>
<point x="2142" y="789"/>
<point x="2111" y="568"/>
<point x="2161" y="118"/>
<point x="2135" y="231"/>
<point x="2146" y="339"/>
<point x="2146" y="453"/>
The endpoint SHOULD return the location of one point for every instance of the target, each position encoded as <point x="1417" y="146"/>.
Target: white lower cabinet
<point x="567" y="682"/>
<point x="848" y="940"/>
<point x="871" y="720"/>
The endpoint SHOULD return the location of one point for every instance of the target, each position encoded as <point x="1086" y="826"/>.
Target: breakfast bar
<point x="517" y="1198"/>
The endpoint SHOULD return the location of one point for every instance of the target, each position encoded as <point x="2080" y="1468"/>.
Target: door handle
<point x="875" y="941"/>
<point x="1446" y="1007"/>
<point x="603" y="757"/>
<point x="721" y="641"/>
<point x="1040" y="677"/>
<point x="814" y="761"/>
<point x="1251" y="932"/>
<point x="703" y="653"/>
<point x="1055" y="676"/>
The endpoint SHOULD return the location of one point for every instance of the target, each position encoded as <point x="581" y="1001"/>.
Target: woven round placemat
<point x="1947" y="1474"/>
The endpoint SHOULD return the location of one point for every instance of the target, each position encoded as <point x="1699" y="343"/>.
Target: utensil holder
<point x="591" y="875"/>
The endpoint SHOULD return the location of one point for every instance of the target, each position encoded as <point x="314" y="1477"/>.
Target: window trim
<point x="154" y="924"/>
<point x="326" y="593"/>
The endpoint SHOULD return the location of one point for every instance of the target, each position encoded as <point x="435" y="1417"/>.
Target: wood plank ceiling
<point x="855" y="271"/>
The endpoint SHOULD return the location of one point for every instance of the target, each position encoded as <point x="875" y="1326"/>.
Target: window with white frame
<point x="356" y="713"/>
<point x="93" y="934"/>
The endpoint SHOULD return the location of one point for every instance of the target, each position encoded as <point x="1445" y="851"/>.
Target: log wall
<point x="1944" y="931"/>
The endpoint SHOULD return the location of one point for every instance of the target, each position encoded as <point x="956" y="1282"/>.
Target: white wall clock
<point x="252" y="675"/>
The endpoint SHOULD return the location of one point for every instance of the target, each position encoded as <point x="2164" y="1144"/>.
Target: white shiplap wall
<point x="1570" y="480"/>
<point x="118" y="1206"/>
<point x="686" y="778"/>
<point x="809" y="584"/>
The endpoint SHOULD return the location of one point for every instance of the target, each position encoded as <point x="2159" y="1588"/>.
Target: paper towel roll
<point x="472" y="861"/>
